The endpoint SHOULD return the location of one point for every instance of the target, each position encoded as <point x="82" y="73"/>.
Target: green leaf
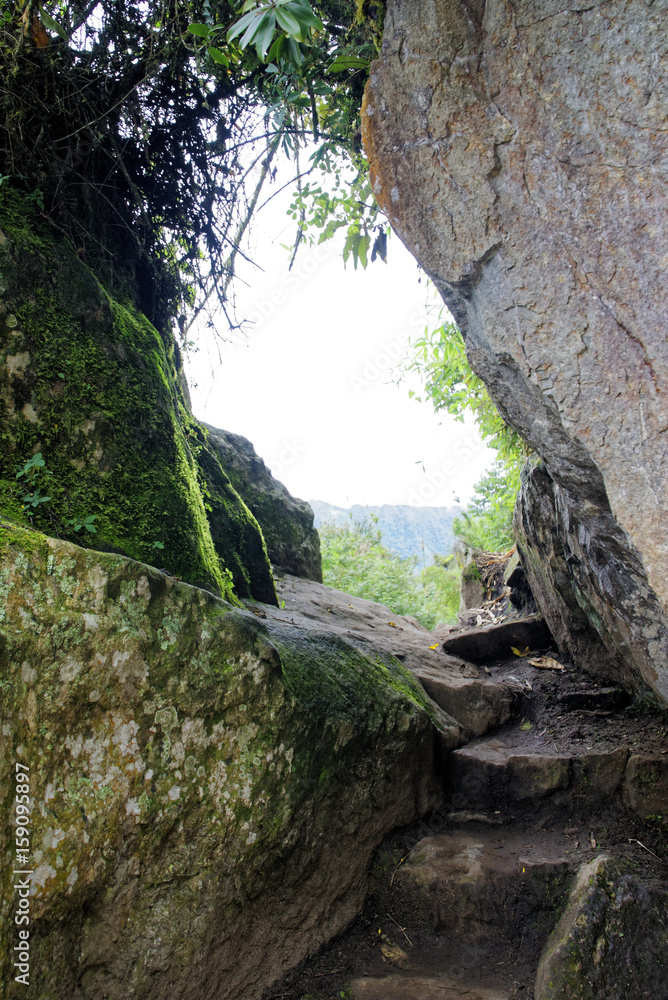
<point x="288" y="22"/>
<point x="301" y="102"/>
<point x="53" y="25"/>
<point x="304" y="14"/>
<point x="296" y="56"/>
<point x="218" y="56"/>
<point x="362" y="249"/>
<point x="201" y="30"/>
<point x="264" y="34"/>
<point x="239" y="26"/>
<point x="278" y="50"/>
<point x="343" y="63"/>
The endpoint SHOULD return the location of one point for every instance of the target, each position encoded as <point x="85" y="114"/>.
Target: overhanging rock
<point x="519" y="150"/>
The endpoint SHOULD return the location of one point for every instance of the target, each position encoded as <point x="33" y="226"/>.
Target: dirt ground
<point x="554" y="712"/>
<point x="569" y="714"/>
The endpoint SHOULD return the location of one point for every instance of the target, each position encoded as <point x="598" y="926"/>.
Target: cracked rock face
<point x="519" y="150"/>
<point x="590" y="586"/>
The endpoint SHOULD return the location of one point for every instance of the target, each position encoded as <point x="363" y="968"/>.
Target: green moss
<point x="650" y="776"/>
<point x="155" y="717"/>
<point x="29" y="542"/>
<point x="236" y="533"/>
<point x="93" y="386"/>
<point x="470" y="573"/>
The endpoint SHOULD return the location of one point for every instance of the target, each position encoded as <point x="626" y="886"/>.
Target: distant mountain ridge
<point x="409" y="531"/>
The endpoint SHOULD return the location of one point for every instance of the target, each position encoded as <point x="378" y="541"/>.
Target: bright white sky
<point x="312" y="385"/>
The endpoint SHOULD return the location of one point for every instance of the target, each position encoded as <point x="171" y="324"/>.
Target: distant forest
<point x="409" y="531"/>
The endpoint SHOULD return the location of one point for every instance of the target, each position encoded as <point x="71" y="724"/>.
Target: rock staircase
<point x="543" y="875"/>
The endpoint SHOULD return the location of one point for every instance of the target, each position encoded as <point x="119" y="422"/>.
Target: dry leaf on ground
<point x="547" y="663"/>
<point x="394" y="954"/>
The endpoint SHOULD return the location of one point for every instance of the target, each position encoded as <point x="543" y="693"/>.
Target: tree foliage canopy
<point x="145" y="130"/>
<point x="487" y="522"/>
<point x="439" y="358"/>
<point x="355" y="561"/>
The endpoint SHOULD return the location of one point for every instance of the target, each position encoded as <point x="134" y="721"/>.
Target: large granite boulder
<point x="206" y="787"/>
<point x="292" y="542"/>
<point x="519" y="150"/>
<point x="91" y="386"/>
<point x="590" y="584"/>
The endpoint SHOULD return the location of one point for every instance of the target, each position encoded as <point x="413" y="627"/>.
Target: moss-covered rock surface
<point x="91" y="386"/>
<point x="206" y="789"/>
<point x="612" y="940"/>
<point x="293" y="543"/>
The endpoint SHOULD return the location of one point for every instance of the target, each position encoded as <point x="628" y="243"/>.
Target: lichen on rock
<point x="207" y="788"/>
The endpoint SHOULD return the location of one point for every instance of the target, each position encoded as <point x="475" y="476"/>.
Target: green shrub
<point x="355" y="561"/>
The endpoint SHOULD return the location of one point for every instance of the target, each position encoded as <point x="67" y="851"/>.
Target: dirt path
<point x="556" y="776"/>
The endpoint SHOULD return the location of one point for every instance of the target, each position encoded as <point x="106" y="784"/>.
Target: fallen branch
<point x="401" y="929"/>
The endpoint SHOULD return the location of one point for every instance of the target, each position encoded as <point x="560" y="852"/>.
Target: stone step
<point x="515" y="770"/>
<point x="488" y="643"/>
<point x="600" y="699"/>
<point x="477" y="703"/>
<point x="407" y="986"/>
<point x="487" y="887"/>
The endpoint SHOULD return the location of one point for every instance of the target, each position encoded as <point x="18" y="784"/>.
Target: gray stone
<point x="590" y="584"/>
<point x="516" y="770"/>
<point x="487" y="887"/>
<point x="610" y="942"/>
<point x="519" y="150"/>
<point x="471" y="590"/>
<point x="292" y="542"/>
<point x="646" y="786"/>
<point x="476" y="702"/>
<point x="207" y="787"/>
<point x="494" y="642"/>
<point x="471" y="587"/>
<point x="416" y="987"/>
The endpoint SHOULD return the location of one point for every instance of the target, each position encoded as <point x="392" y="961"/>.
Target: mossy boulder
<point x="206" y="787"/>
<point x="612" y="940"/>
<point x="90" y="385"/>
<point x="236" y="534"/>
<point x="293" y="543"/>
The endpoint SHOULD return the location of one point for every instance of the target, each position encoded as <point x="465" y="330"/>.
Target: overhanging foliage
<point x="145" y="130"/>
